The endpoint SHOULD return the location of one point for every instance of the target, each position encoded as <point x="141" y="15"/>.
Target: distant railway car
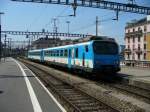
<point x="36" y="55"/>
<point x="99" y="55"/>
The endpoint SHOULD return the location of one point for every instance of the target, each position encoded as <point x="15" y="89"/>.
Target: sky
<point x="21" y="16"/>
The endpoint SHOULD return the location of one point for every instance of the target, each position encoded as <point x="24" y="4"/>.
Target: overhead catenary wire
<point x="36" y="19"/>
<point x="49" y="22"/>
<point x="92" y="24"/>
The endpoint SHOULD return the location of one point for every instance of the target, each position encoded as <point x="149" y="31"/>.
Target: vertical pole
<point x="10" y="46"/>
<point x="0" y="43"/>
<point x="0" y="37"/>
<point x="29" y="41"/>
<point x="5" y="47"/>
<point x="96" y="26"/>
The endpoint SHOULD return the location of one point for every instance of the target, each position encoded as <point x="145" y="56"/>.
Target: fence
<point x="134" y="63"/>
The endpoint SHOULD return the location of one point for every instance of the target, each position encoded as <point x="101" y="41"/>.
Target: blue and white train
<point x="99" y="55"/>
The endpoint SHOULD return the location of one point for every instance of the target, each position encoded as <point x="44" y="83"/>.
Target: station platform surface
<point x="21" y="91"/>
<point x="136" y="76"/>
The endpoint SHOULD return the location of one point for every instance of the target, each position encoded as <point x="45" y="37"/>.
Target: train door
<point x="42" y="55"/>
<point x="69" y="58"/>
<point x="83" y="59"/>
<point x="73" y="57"/>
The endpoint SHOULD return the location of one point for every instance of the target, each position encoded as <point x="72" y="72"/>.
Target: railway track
<point x="77" y="100"/>
<point x="138" y="93"/>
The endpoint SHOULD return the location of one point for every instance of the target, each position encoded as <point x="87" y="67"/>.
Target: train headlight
<point x="116" y="62"/>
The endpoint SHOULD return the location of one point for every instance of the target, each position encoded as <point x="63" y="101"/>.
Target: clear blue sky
<point x="34" y="17"/>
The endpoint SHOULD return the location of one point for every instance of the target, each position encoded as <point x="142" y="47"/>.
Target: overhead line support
<point x="102" y="4"/>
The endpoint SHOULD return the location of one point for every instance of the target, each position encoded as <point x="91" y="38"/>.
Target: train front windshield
<point x="106" y="48"/>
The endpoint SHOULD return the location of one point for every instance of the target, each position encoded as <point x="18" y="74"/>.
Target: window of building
<point x="133" y="56"/>
<point x="145" y="28"/>
<point x="128" y="47"/>
<point x="76" y="55"/>
<point x="133" y="39"/>
<point x="139" y="38"/>
<point x="144" y="46"/>
<point x="139" y="28"/>
<point x="128" y="57"/>
<point x="145" y="37"/>
<point x="86" y="48"/>
<point x="133" y="30"/>
<point x="133" y="47"/>
<point x="138" y="56"/>
<point x="128" y="31"/>
<point x="138" y="46"/>
<point x="128" y="40"/>
<point x="144" y="56"/>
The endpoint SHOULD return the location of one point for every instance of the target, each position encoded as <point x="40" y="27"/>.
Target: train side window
<point x="52" y="53"/>
<point x="76" y="55"/>
<point x="49" y="53"/>
<point x="61" y="53"/>
<point x="66" y="53"/>
<point x="57" y="52"/>
<point x="86" y="48"/>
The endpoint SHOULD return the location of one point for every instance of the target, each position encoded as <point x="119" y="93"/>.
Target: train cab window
<point x="86" y="48"/>
<point x="66" y="53"/>
<point x="110" y="48"/>
<point x="76" y="54"/>
<point x="61" y="52"/>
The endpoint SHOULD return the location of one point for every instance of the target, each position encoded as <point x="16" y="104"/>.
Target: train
<point x="98" y="54"/>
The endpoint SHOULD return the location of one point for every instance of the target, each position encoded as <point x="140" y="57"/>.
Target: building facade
<point x="137" y="40"/>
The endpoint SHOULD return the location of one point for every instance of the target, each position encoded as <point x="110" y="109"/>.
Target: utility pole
<point x="9" y="46"/>
<point x="55" y="28"/>
<point x="0" y="37"/>
<point x="5" y="46"/>
<point x="97" y="26"/>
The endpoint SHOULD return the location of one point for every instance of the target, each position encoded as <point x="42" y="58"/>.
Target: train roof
<point x="84" y="41"/>
<point x="71" y="45"/>
<point x="35" y="50"/>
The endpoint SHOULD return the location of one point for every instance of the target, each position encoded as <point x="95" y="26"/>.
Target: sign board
<point x="148" y="18"/>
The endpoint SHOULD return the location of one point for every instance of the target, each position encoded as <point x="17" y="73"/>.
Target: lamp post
<point x="0" y="37"/>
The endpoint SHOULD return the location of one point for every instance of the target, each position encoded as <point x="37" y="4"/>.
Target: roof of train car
<point x="78" y="44"/>
<point x="71" y="45"/>
<point x="34" y="50"/>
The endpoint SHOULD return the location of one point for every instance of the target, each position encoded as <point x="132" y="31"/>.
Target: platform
<point x="139" y="77"/>
<point x="21" y="91"/>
